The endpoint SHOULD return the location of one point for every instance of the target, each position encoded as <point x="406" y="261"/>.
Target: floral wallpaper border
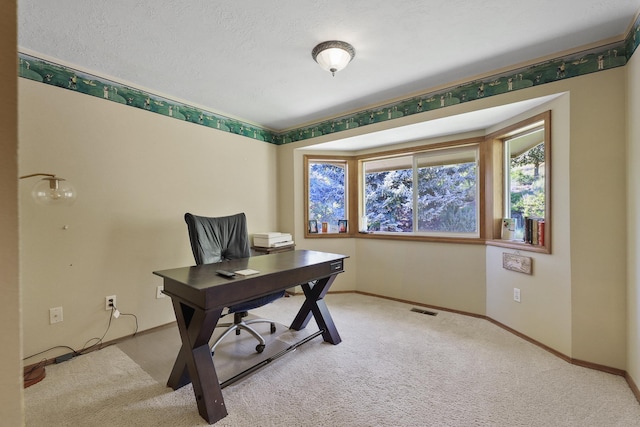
<point x="577" y="64"/>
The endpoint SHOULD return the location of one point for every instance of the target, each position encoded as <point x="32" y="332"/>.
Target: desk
<point x="199" y="296"/>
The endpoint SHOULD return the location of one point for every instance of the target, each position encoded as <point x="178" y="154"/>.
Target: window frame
<point x="477" y="238"/>
<point x="496" y="177"/>
<point x="349" y="190"/>
<point x="416" y="155"/>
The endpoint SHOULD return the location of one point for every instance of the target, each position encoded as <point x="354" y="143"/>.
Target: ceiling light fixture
<point x="52" y="190"/>
<point x="333" y="55"/>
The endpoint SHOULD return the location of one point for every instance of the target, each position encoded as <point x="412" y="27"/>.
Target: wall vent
<point x="419" y="310"/>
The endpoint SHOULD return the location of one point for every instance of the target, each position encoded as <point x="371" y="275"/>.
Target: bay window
<point x="494" y="190"/>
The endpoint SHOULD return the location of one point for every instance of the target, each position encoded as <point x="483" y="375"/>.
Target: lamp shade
<point x="52" y="191"/>
<point x="333" y="55"/>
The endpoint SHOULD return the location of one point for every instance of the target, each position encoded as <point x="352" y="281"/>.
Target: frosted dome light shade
<point x="333" y="55"/>
<point x="53" y="191"/>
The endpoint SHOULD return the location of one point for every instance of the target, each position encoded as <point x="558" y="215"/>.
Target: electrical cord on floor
<point x="49" y="349"/>
<point x="98" y="343"/>
<point x="115" y="310"/>
<point x="85" y="348"/>
<point x="115" y="313"/>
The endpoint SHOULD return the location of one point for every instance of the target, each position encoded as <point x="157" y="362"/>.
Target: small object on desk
<point x="227" y="274"/>
<point x="267" y="240"/>
<point x="246" y="272"/>
<point x="281" y="244"/>
<point x="261" y="250"/>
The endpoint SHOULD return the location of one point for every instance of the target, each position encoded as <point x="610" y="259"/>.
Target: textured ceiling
<point x="251" y="59"/>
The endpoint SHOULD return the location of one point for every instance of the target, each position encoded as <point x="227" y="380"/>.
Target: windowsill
<point x="398" y="236"/>
<point x="326" y="235"/>
<point x="422" y="238"/>
<point x="521" y="246"/>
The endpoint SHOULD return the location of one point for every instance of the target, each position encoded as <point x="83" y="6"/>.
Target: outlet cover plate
<point x="55" y="315"/>
<point x="107" y="305"/>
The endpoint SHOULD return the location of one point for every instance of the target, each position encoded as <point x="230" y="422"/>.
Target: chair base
<point x="245" y="325"/>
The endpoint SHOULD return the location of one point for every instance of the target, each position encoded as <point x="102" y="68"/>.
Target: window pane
<point x="327" y="192"/>
<point x="446" y="197"/>
<point x="525" y="160"/>
<point x="447" y="192"/>
<point x="389" y="200"/>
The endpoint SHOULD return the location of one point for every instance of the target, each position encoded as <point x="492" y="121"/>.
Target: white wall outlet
<point x="159" y="293"/>
<point x="516" y="294"/>
<point x="55" y="315"/>
<point x="109" y="302"/>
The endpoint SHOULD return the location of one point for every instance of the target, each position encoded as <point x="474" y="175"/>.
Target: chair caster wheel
<point x="260" y="348"/>
<point x="273" y="328"/>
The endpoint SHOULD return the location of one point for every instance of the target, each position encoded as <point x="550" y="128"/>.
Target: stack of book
<point x="534" y="231"/>
<point x="272" y="239"/>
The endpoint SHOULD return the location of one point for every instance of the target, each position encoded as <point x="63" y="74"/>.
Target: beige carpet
<point x="393" y="368"/>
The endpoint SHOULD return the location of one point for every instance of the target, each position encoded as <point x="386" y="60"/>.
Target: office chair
<point x="218" y="239"/>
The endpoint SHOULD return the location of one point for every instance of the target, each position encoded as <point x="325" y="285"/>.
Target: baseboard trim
<point x="632" y="385"/>
<point x="531" y="340"/>
<point x="608" y="369"/>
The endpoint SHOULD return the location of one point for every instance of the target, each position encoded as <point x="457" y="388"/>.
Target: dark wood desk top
<point x="202" y="287"/>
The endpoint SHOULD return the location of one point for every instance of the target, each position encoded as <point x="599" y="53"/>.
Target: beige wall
<point x="633" y="216"/>
<point x="575" y="300"/>
<point x="11" y="408"/>
<point x="544" y="312"/>
<point x="443" y="275"/>
<point x="136" y="174"/>
<point x="598" y="218"/>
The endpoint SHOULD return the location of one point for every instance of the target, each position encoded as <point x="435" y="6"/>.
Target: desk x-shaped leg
<point x="194" y="362"/>
<point x="314" y="304"/>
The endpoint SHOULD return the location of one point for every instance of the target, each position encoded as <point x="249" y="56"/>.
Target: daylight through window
<point x="430" y="192"/>
<point x="525" y="184"/>
<point x="327" y="195"/>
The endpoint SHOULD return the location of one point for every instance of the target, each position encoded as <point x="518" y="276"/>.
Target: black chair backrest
<point x="217" y="239"/>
